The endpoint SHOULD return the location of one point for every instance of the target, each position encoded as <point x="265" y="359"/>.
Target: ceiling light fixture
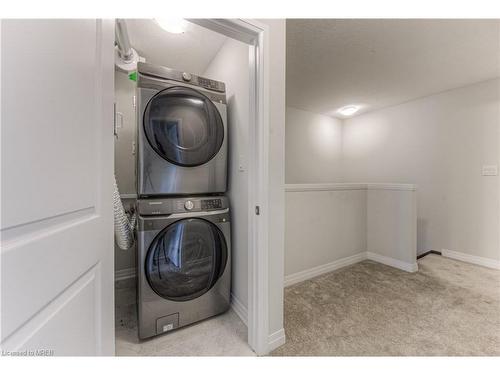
<point x="348" y="110"/>
<point x="172" y="25"/>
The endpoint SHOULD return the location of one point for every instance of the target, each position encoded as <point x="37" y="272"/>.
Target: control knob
<point x="189" y="205"/>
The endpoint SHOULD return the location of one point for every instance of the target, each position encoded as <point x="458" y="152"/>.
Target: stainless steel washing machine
<point x="182" y="133"/>
<point x="184" y="262"/>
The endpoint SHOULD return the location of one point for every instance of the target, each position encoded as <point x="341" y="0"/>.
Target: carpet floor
<point x="447" y="308"/>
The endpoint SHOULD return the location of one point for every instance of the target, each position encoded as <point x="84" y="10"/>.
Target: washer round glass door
<point x="183" y="126"/>
<point x="186" y="259"/>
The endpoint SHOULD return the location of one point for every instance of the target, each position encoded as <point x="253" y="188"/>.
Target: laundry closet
<point x="181" y="204"/>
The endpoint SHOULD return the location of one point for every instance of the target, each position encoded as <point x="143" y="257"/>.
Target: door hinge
<point x="257" y="210"/>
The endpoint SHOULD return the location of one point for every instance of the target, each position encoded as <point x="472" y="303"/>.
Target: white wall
<point x="313" y="147"/>
<point x="324" y="226"/>
<point x="230" y="65"/>
<point x="439" y="143"/>
<point x="391" y="224"/>
<point x="124" y="158"/>
<point x="333" y="225"/>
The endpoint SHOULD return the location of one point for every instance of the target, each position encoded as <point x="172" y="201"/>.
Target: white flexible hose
<point x="124" y="224"/>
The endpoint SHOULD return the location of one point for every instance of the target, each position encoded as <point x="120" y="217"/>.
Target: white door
<point x="56" y="206"/>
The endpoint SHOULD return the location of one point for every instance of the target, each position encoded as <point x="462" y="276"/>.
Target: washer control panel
<point x="211" y="84"/>
<point x="169" y="206"/>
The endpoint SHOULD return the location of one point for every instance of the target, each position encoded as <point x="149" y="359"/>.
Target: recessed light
<point x="348" y="110"/>
<point x="172" y="25"/>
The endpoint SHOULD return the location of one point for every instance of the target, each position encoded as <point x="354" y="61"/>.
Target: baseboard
<point x="396" y="263"/>
<point x="276" y="339"/>
<point x="428" y="252"/>
<point x="480" y="261"/>
<point x="239" y="309"/>
<point x="324" y="268"/>
<point x="127" y="273"/>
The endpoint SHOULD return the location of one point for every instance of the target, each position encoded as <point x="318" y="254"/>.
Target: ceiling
<point x="378" y="63"/>
<point x="190" y="51"/>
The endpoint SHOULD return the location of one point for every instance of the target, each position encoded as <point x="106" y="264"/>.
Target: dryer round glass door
<point x="186" y="259"/>
<point x="183" y="126"/>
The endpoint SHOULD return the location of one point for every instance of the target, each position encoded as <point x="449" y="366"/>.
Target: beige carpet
<point x="447" y="308"/>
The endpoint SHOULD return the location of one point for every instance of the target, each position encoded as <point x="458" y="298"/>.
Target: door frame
<point x="256" y="35"/>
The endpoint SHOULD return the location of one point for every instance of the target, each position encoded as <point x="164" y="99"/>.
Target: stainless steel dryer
<point x="184" y="262"/>
<point x="182" y="133"/>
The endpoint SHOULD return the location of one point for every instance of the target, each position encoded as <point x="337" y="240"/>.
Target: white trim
<point x="259" y="281"/>
<point x="239" y="309"/>
<point x="235" y="28"/>
<point x="258" y="187"/>
<point x="323" y="187"/>
<point x="396" y="263"/>
<point x="127" y="273"/>
<point x="480" y="261"/>
<point x="390" y="186"/>
<point x="348" y="186"/>
<point x="324" y="268"/>
<point x="275" y="340"/>
<point x="310" y="273"/>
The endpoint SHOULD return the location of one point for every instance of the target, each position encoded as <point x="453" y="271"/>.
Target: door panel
<point x="57" y="165"/>
<point x="48" y="110"/>
<point x="68" y="317"/>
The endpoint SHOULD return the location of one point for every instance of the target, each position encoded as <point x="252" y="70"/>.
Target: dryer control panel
<point x="161" y="72"/>
<point x="211" y="204"/>
<point x="170" y="206"/>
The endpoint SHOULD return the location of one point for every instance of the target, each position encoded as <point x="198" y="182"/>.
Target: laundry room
<point x="181" y="204"/>
<point x="238" y="187"/>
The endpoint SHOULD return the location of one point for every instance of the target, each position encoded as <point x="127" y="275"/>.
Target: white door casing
<point x="56" y="188"/>
<point x="256" y="35"/>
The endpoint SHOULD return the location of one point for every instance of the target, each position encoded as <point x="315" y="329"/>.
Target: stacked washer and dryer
<point x="183" y="226"/>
